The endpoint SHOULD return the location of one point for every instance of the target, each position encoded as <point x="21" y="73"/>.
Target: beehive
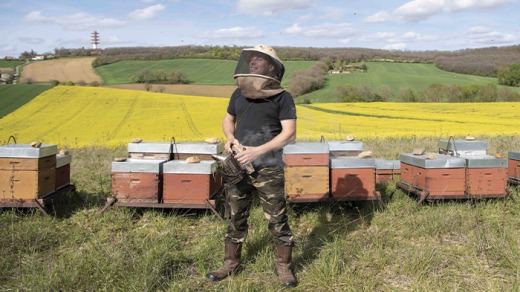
<point x="513" y="166"/>
<point x="137" y="180"/>
<point x="179" y="151"/>
<point x="486" y="176"/>
<point x="63" y="170"/>
<point x="387" y="170"/>
<point x="353" y="178"/>
<point x="190" y="183"/>
<point x="462" y="147"/>
<point x="306" y="171"/>
<point x="27" y="172"/>
<point x="344" y="148"/>
<point x="442" y="176"/>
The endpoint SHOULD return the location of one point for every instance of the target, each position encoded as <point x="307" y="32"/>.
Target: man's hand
<point x="248" y="154"/>
<point x="229" y="144"/>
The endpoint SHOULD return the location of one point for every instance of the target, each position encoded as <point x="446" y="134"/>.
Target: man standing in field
<point x="260" y="120"/>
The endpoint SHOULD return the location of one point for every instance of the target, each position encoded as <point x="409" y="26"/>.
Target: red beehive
<point x="514" y="166"/>
<point x="190" y="183"/>
<point x="353" y="178"/>
<point x="62" y="171"/>
<point x="442" y="176"/>
<point x="137" y="180"/>
<point x="387" y="171"/>
<point x="306" y="171"/>
<point x="486" y="176"/>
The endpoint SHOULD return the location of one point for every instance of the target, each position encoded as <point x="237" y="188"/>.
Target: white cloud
<point x="78" y="21"/>
<point x="147" y="13"/>
<point x="325" y="30"/>
<point x="396" y="46"/>
<point x="31" y="40"/>
<point x="484" y="35"/>
<point x="416" y="10"/>
<point x="270" y="7"/>
<point x="457" y="5"/>
<point x="381" y="16"/>
<point x="235" y="32"/>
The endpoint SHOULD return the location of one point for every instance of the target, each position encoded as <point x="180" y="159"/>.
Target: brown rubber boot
<point x="232" y="263"/>
<point x="283" y="265"/>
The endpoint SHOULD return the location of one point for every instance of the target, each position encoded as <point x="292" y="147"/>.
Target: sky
<point x="416" y="25"/>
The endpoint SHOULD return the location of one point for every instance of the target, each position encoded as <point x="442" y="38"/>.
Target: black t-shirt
<point x="258" y="121"/>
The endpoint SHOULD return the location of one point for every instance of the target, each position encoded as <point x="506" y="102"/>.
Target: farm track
<point x="127" y="115"/>
<point x="189" y="120"/>
<point x="377" y="116"/>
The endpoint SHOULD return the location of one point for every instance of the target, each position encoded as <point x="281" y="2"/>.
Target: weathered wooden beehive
<point x="387" y="170"/>
<point x="513" y="167"/>
<point x="177" y="151"/>
<point x="306" y="171"/>
<point x="353" y="178"/>
<point x="137" y="180"/>
<point x="27" y="172"/>
<point x="192" y="184"/>
<point x="63" y="170"/>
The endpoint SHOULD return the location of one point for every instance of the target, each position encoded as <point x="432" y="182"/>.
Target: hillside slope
<point x="63" y="70"/>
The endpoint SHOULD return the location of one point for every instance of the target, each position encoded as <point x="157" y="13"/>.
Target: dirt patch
<point x="76" y="70"/>
<point x="183" y="89"/>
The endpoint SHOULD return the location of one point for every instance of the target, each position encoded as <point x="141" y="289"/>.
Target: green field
<point x="396" y="75"/>
<point x="10" y="64"/>
<point x="14" y="96"/>
<point x="199" y="71"/>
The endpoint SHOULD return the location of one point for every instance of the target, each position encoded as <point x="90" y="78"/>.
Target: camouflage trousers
<point x="268" y="183"/>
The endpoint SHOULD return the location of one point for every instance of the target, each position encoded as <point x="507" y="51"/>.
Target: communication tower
<point x="94" y="39"/>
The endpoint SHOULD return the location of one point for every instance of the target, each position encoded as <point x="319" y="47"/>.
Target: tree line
<point x="481" y="61"/>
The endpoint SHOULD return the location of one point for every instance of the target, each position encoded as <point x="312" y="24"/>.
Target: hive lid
<point x="306" y="148"/>
<point x="514" y="155"/>
<point x="138" y="165"/>
<point x="485" y="161"/>
<point x="184" y="147"/>
<point x="463" y="145"/>
<point x="27" y="151"/>
<point x="345" y="146"/>
<point x="62" y="160"/>
<point x="387" y="164"/>
<point x="439" y="161"/>
<point x="352" y="162"/>
<point x="182" y="167"/>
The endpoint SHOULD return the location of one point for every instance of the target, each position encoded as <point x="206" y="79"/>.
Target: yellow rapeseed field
<point x="85" y="116"/>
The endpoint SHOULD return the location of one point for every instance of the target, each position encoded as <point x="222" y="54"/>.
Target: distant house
<point x="38" y="57"/>
<point x="8" y="58"/>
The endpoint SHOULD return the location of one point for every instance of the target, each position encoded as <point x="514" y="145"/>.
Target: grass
<point x="10" y="64"/>
<point x="199" y="71"/>
<point x="341" y="246"/>
<point x="13" y="97"/>
<point x="395" y="75"/>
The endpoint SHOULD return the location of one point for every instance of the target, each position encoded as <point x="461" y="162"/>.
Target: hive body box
<point x="486" y="176"/>
<point x="442" y="177"/>
<point x="462" y="147"/>
<point x="387" y="170"/>
<point x="339" y="149"/>
<point x="353" y="178"/>
<point x="62" y="171"/>
<point x="190" y="183"/>
<point x="27" y="173"/>
<point x="137" y="180"/>
<point x="513" y="167"/>
<point x="179" y="151"/>
<point x="306" y="171"/>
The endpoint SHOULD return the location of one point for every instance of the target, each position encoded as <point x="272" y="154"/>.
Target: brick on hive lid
<point x="418" y="151"/>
